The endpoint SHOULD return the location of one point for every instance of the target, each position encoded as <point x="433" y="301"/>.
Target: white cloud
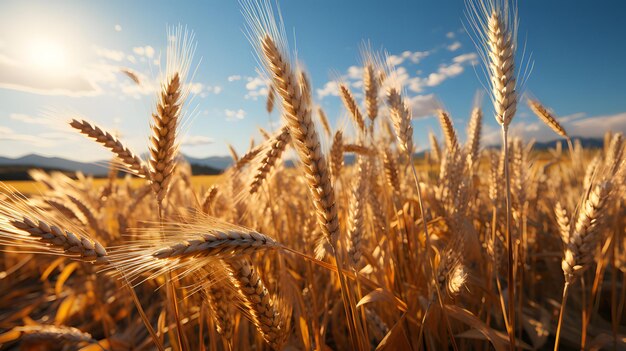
<point x="234" y="78"/>
<point x="423" y="105"/>
<point x="471" y="57"/>
<point x="29" y="119"/>
<point x="256" y="87"/>
<point x="255" y="83"/>
<point x="118" y="28"/>
<point x="450" y="35"/>
<point x="443" y="73"/>
<point x="195" y="88"/>
<point x="113" y="55"/>
<point x="355" y="72"/>
<point x="235" y="114"/>
<point x="147" y="51"/>
<point x="195" y="140"/>
<point x="597" y="126"/>
<point x="413" y="56"/>
<point x="8" y="134"/>
<point x="15" y="75"/>
<point x="454" y="46"/>
<point x="572" y="117"/>
<point x="576" y="125"/>
<point x="330" y="88"/>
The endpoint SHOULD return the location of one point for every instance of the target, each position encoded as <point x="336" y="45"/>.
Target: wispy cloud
<point x="256" y="86"/>
<point x="16" y="76"/>
<point x="117" y="28"/>
<point x="423" y="105"/>
<point x="8" y="134"/>
<point x="234" y="114"/>
<point x="330" y="88"/>
<point x="454" y="46"/>
<point x="412" y="56"/>
<point x="110" y="54"/>
<point x="444" y="72"/>
<point x="234" y="78"/>
<point x="195" y="140"/>
<point x="578" y="124"/>
<point x="147" y="51"/>
<point x="30" y="119"/>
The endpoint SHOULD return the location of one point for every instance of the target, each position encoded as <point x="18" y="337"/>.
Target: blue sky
<point x="64" y="57"/>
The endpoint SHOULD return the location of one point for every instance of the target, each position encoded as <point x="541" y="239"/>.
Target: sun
<point x="46" y="54"/>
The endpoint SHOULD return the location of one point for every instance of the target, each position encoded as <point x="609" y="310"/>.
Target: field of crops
<point x="467" y="248"/>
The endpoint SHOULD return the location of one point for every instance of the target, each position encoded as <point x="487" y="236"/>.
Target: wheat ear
<point x="271" y="97"/>
<point x="585" y="235"/>
<point x="62" y="334"/>
<point x="501" y="49"/>
<point x="370" y="85"/>
<point x="546" y="117"/>
<point x="356" y="220"/>
<point x="278" y="144"/>
<point x="217" y="243"/>
<point x="473" y="136"/>
<point x="305" y="138"/>
<point x="209" y="198"/>
<point x="401" y="118"/>
<point x="18" y="227"/>
<point x="131" y="161"/>
<point x="562" y="220"/>
<point x="358" y="149"/>
<point x="324" y="121"/>
<point x="452" y="141"/>
<point x="262" y="308"/>
<point x="164" y="130"/>
<point x="350" y="103"/>
<point x="336" y="155"/>
<point x="435" y="149"/>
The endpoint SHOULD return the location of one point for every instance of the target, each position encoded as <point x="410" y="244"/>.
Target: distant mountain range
<point x="17" y="168"/>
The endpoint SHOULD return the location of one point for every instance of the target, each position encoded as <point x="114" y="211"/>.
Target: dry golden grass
<point x="465" y="248"/>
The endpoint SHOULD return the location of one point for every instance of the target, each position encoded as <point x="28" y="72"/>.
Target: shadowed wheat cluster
<point x="465" y="248"/>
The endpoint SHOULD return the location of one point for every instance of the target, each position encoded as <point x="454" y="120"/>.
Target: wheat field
<point x="463" y="248"/>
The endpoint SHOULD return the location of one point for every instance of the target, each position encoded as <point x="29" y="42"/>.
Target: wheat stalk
<point x="305" y="138"/>
<point x="336" y="155"/>
<point x="271" y="97"/>
<point x="18" y="224"/>
<point x="131" y="161"/>
<point x="277" y="145"/>
<point x="216" y="243"/>
<point x="262" y="308"/>
<point x="60" y="334"/>
<point x="435" y="150"/>
<point x="325" y="125"/>
<point x="473" y="136"/>
<point x="547" y="117"/>
<point x="351" y="106"/>
<point x="401" y="118"/>
<point x="370" y="86"/>
<point x="356" y="214"/>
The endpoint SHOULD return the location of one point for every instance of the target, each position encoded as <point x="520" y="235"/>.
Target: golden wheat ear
<point x="26" y="227"/>
<point x="187" y="246"/>
<point x="170" y="111"/>
<point x="133" y="163"/>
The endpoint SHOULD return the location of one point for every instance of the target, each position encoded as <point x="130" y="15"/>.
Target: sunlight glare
<point x="46" y="54"/>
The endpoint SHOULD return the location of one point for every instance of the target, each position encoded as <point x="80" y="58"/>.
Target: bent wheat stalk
<point x="131" y="161"/>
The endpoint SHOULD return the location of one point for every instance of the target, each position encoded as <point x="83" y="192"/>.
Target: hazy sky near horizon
<point x="64" y="58"/>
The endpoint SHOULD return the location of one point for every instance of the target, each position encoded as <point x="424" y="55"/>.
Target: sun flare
<point x="46" y="54"/>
